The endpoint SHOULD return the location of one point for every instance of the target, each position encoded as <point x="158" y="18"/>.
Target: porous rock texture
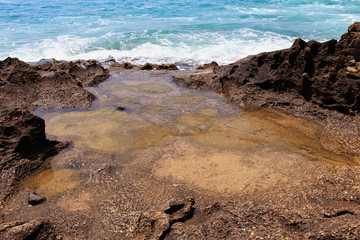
<point x="312" y="80"/>
<point x="50" y="85"/>
<point x="53" y="84"/>
<point x="308" y="79"/>
<point x="35" y="230"/>
<point x="326" y="74"/>
<point x="23" y="143"/>
<point x="23" y="148"/>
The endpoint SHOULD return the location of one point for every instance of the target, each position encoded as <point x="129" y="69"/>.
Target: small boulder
<point x="34" y="198"/>
<point x="148" y="66"/>
<point x="119" y="108"/>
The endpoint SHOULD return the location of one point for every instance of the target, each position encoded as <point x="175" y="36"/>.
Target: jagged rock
<point x="34" y="230"/>
<point x="111" y="60"/>
<point x="202" y="80"/>
<point x="148" y="66"/>
<point x="326" y="74"/>
<point x="125" y="65"/>
<point x="23" y="148"/>
<point x="87" y="73"/>
<point x="211" y="65"/>
<point x="115" y="65"/>
<point x="34" y="198"/>
<point x="161" y="221"/>
<point x="172" y="67"/>
<point x="51" y="85"/>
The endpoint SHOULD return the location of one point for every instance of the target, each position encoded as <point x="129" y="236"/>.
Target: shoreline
<point x="325" y="206"/>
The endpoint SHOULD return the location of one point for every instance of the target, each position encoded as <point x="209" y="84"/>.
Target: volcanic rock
<point x="172" y="67"/>
<point x="120" y="108"/>
<point x="312" y="80"/>
<point x="51" y="85"/>
<point x="37" y="229"/>
<point x="326" y="74"/>
<point x="23" y="148"/>
<point x="34" y="198"/>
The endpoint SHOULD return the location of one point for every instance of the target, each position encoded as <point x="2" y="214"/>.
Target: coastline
<point x="319" y="208"/>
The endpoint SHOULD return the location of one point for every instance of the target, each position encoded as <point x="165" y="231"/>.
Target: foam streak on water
<point x="165" y="30"/>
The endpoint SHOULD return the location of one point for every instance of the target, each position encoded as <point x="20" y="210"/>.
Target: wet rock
<point x="111" y="60"/>
<point x="148" y="66"/>
<point x="125" y="65"/>
<point x="172" y="67"/>
<point x="115" y="65"/>
<point x="325" y="74"/>
<point x="87" y="74"/>
<point x="119" y="108"/>
<point x="34" y="229"/>
<point x="311" y="80"/>
<point x="211" y="65"/>
<point x="203" y="80"/>
<point x="34" y="198"/>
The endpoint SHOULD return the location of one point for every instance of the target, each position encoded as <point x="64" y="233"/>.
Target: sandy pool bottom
<point x="204" y="142"/>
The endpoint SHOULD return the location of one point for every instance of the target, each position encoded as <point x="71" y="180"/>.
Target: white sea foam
<point x="186" y="48"/>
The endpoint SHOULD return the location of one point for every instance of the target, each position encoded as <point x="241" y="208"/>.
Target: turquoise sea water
<point x="161" y="31"/>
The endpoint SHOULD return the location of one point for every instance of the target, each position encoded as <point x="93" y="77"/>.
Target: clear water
<point x="192" y="136"/>
<point x="165" y="30"/>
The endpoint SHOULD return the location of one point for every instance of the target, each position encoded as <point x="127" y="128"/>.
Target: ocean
<point x="165" y="31"/>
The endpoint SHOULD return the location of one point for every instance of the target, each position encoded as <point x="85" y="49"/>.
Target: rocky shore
<point x="24" y="147"/>
<point x="311" y="80"/>
<point x="316" y="81"/>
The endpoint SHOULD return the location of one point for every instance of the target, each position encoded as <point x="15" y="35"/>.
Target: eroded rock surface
<point x="312" y="80"/>
<point x="24" y="87"/>
<point x="326" y="74"/>
<point x="146" y="66"/>
<point x="37" y="229"/>
<point x="128" y="201"/>
<point x="23" y="148"/>
<point x="50" y="85"/>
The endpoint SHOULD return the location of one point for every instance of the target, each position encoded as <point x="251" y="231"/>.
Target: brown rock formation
<point x="23" y="148"/>
<point x="23" y="143"/>
<point x="57" y="85"/>
<point x="35" y="229"/>
<point x="326" y="74"/>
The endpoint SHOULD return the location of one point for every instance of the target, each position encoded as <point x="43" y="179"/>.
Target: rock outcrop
<point x="325" y="74"/>
<point x="50" y="85"/>
<point x="37" y="229"/>
<point x="23" y="148"/>
<point x="24" y="87"/>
